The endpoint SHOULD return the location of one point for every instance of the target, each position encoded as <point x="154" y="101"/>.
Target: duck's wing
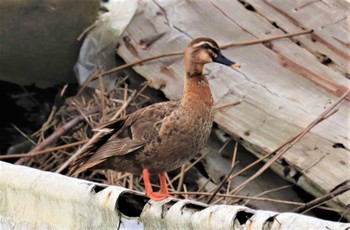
<point x="124" y="136"/>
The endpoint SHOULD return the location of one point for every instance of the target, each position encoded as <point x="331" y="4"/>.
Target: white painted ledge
<point x="34" y="199"/>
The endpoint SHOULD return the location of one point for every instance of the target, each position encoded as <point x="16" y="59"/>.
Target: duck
<point x="160" y="137"/>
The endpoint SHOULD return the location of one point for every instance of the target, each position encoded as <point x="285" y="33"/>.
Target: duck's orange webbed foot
<point x="148" y="187"/>
<point x="157" y="196"/>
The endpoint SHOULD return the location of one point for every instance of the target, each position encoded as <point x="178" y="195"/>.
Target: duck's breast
<point x="181" y="136"/>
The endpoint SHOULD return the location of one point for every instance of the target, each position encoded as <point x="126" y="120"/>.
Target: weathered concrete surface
<point x="34" y="199"/>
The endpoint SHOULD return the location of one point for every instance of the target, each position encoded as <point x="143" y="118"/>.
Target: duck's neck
<point x="197" y="92"/>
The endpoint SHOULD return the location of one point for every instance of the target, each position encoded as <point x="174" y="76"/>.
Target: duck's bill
<point x="225" y="61"/>
<point x="237" y="65"/>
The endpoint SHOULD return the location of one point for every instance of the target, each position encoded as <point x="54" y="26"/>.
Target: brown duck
<point x="162" y="136"/>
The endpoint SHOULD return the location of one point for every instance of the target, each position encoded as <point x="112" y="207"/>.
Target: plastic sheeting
<point x="98" y="49"/>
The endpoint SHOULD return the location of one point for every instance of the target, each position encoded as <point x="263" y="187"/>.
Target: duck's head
<point x="202" y="51"/>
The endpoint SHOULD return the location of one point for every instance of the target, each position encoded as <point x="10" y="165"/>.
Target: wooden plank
<point x="283" y="86"/>
<point x="329" y="39"/>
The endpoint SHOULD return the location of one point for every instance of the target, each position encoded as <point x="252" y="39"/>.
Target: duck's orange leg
<point x="148" y="187"/>
<point x="163" y="186"/>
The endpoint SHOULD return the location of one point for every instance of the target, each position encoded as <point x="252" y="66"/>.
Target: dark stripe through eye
<point x="205" y="45"/>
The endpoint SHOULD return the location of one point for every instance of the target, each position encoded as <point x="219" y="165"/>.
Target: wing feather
<point x="124" y="136"/>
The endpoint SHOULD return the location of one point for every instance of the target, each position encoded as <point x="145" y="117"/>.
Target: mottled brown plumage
<point x="162" y="136"/>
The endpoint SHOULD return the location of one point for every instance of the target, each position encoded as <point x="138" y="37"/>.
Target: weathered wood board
<point x="283" y="85"/>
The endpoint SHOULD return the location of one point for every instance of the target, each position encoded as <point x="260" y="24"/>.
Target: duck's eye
<point x="206" y="46"/>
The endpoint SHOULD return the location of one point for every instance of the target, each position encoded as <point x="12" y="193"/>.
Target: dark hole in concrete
<point x="338" y="145"/>
<point x="286" y="168"/>
<point x="327" y="61"/>
<point x="166" y="207"/>
<point x="194" y="207"/>
<point x="275" y="24"/>
<point x="278" y="27"/>
<point x="250" y="7"/>
<point x="324" y="59"/>
<point x="284" y="162"/>
<point x="286" y="171"/>
<point x="268" y="45"/>
<point x="98" y="188"/>
<point x="247" y="5"/>
<point x="243" y="217"/>
<point x="297" y="176"/>
<point x="130" y="204"/>
<point x="269" y="222"/>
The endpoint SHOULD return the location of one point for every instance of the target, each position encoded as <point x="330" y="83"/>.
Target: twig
<point x="59" y="132"/>
<point x="123" y="107"/>
<point x="223" y="146"/>
<point x="23" y="134"/>
<point x="131" y="181"/>
<point x="140" y="62"/>
<point x="180" y="53"/>
<point x="190" y="166"/>
<point x="270" y="191"/>
<point x="95" y="136"/>
<point x="54" y="109"/>
<point x="322" y="199"/>
<point x="288" y="145"/>
<point x="250" y="165"/>
<point x="36" y="153"/>
<point x="203" y="186"/>
<point x="245" y="43"/>
<point x="143" y="88"/>
<point x="87" y="81"/>
<point x="185" y="190"/>
<point x="125" y="98"/>
<point x="343" y="213"/>
<point x="47" y="123"/>
<point x="86" y="30"/>
<point x="234" y="155"/>
<point x="102" y="93"/>
<point x="170" y="182"/>
<point x="82" y="114"/>
<point x="181" y="180"/>
<point x="221" y="184"/>
<point x="225" y="105"/>
<point x="120" y="177"/>
<point x="75" y="155"/>
<point x="252" y="198"/>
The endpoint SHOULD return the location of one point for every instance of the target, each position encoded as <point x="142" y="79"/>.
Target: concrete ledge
<point x="34" y="199"/>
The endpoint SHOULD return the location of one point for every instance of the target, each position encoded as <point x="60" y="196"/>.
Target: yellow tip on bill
<point x="236" y="65"/>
